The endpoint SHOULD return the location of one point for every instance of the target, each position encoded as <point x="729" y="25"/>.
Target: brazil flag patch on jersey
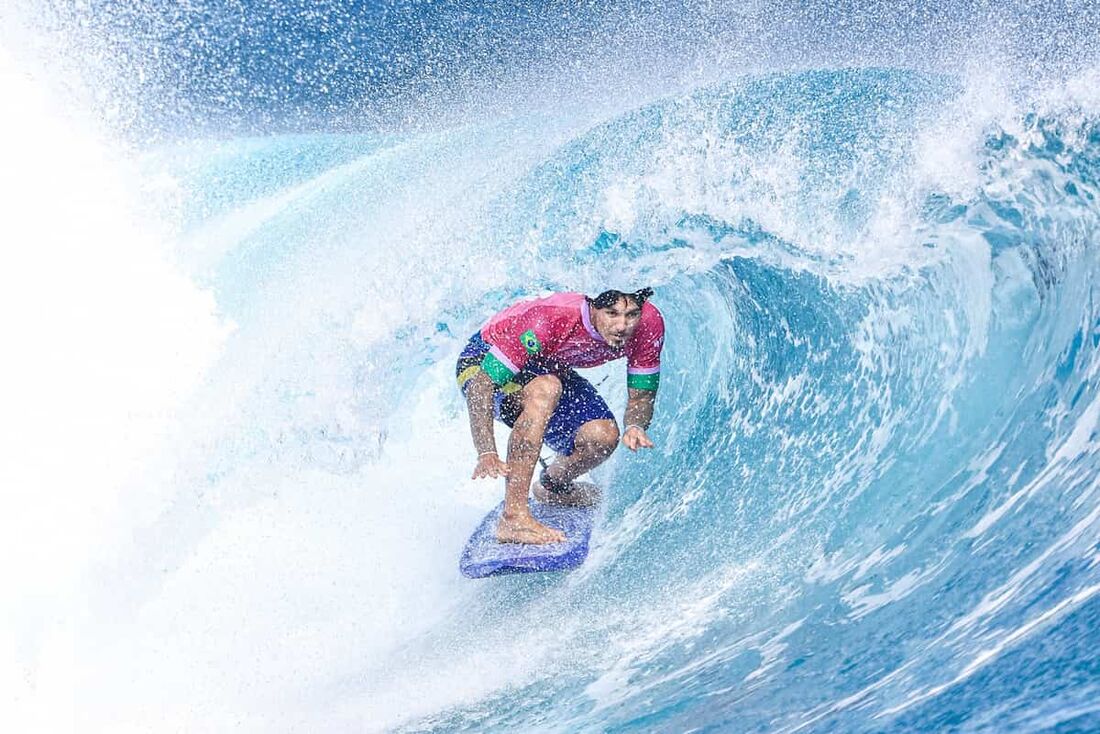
<point x="530" y="342"/>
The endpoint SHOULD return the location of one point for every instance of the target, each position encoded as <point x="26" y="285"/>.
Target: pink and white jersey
<point x="559" y="327"/>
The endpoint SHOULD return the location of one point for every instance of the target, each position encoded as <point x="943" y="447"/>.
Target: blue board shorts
<point x="578" y="404"/>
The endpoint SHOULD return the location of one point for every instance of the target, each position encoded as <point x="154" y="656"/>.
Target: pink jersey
<point x="559" y="327"/>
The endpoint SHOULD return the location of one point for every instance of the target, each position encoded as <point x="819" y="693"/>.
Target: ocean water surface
<point x="238" y="471"/>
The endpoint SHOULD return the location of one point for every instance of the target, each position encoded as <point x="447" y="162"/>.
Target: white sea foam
<point x="104" y="339"/>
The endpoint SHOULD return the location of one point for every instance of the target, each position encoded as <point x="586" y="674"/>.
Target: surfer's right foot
<point x="526" y="529"/>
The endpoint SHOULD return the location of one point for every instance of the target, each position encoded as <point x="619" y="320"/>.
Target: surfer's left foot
<point x="564" y="494"/>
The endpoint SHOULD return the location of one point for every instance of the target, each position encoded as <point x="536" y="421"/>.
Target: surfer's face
<point x="617" y="322"/>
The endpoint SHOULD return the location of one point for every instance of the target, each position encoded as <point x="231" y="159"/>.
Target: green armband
<point x="644" y="382"/>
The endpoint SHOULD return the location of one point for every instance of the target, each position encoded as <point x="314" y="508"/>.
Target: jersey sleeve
<point x="515" y="340"/>
<point x="643" y="354"/>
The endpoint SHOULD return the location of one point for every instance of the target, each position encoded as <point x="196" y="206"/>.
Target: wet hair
<point x="607" y="299"/>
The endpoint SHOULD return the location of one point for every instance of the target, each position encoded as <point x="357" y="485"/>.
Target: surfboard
<point x="483" y="556"/>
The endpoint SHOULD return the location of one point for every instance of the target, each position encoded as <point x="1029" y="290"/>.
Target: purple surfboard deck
<point x="484" y="556"/>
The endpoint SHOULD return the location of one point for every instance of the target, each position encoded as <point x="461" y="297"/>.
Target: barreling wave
<point x="873" y="502"/>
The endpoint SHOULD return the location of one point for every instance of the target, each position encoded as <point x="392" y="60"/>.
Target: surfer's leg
<point x="583" y="433"/>
<point x="539" y="399"/>
<point x="595" y="441"/>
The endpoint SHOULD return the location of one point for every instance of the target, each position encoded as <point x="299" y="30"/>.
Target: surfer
<point x="519" y="369"/>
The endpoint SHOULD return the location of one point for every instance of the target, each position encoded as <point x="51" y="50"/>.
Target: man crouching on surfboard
<point x="519" y="369"/>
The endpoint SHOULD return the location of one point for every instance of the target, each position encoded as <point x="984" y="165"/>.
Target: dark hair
<point x="607" y="299"/>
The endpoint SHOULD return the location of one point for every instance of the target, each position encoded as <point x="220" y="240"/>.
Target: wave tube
<point x="872" y="505"/>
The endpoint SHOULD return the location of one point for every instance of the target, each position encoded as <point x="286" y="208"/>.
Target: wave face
<point x="873" y="505"/>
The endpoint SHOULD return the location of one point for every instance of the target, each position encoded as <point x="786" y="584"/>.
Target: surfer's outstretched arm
<point x="639" y="413"/>
<point x="479" y="403"/>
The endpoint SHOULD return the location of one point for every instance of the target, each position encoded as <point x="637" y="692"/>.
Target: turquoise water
<point x="240" y="462"/>
<point x="872" y="505"/>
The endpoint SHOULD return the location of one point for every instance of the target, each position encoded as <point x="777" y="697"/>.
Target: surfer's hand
<point x="635" y="439"/>
<point x="490" y="465"/>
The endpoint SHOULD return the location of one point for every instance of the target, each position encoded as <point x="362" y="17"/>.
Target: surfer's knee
<point x="542" y="392"/>
<point x="602" y="435"/>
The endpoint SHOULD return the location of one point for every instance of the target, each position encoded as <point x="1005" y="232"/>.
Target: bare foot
<point x="583" y="494"/>
<point x="526" y="529"/>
